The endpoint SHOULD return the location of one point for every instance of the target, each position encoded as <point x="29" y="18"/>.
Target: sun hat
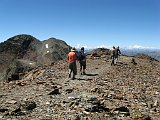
<point x="73" y="49"/>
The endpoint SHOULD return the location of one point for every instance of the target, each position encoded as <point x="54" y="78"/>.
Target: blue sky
<point x="91" y="23"/>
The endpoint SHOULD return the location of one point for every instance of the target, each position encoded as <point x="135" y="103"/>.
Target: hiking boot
<point x="72" y="78"/>
<point x="84" y="73"/>
<point x="69" y="76"/>
<point x="112" y="64"/>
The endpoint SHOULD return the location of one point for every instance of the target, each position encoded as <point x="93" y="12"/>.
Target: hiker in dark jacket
<point x="117" y="53"/>
<point x="82" y="61"/>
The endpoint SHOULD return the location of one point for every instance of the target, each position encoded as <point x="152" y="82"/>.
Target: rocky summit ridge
<point x="22" y="53"/>
<point x="129" y="90"/>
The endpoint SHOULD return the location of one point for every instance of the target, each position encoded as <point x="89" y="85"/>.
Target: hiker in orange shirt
<point x="72" y="57"/>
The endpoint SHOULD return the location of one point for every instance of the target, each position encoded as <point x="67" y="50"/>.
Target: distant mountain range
<point x="155" y="53"/>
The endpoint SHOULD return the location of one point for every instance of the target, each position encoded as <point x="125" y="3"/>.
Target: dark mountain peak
<point x="52" y="38"/>
<point x="30" y="50"/>
<point x="54" y="43"/>
<point x="18" y="44"/>
<point x="22" y="37"/>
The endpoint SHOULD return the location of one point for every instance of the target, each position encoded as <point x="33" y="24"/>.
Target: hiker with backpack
<point x="117" y="53"/>
<point x="72" y="58"/>
<point x="82" y="60"/>
<point x="112" y="51"/>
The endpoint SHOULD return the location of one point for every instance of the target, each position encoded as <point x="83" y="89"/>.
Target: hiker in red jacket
<point x="72" y="57"/>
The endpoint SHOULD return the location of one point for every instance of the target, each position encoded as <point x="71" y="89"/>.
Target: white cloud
<point x="138" y="47"/>
<point x="78" y="46"/>
<point x="104" y="46"/>
<point x="135" y="46"/>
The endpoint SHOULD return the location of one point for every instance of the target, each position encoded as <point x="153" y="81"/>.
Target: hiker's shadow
<point x="90" y="74"/>
<point x="87" y="77"/>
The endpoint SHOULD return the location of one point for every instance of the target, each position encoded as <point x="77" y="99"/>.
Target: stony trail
<point x="124" y="91"/>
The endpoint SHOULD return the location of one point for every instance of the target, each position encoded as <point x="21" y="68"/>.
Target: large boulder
<point x="18" y="67"/>
<point x="99" y="53"/>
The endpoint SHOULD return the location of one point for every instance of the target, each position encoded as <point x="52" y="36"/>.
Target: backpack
<point x="80" y="56"/>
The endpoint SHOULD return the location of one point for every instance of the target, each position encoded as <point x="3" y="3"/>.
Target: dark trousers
<point x="82" y="65"/>
<point x="72" y="69"/>
<point x="113" y="59"/>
